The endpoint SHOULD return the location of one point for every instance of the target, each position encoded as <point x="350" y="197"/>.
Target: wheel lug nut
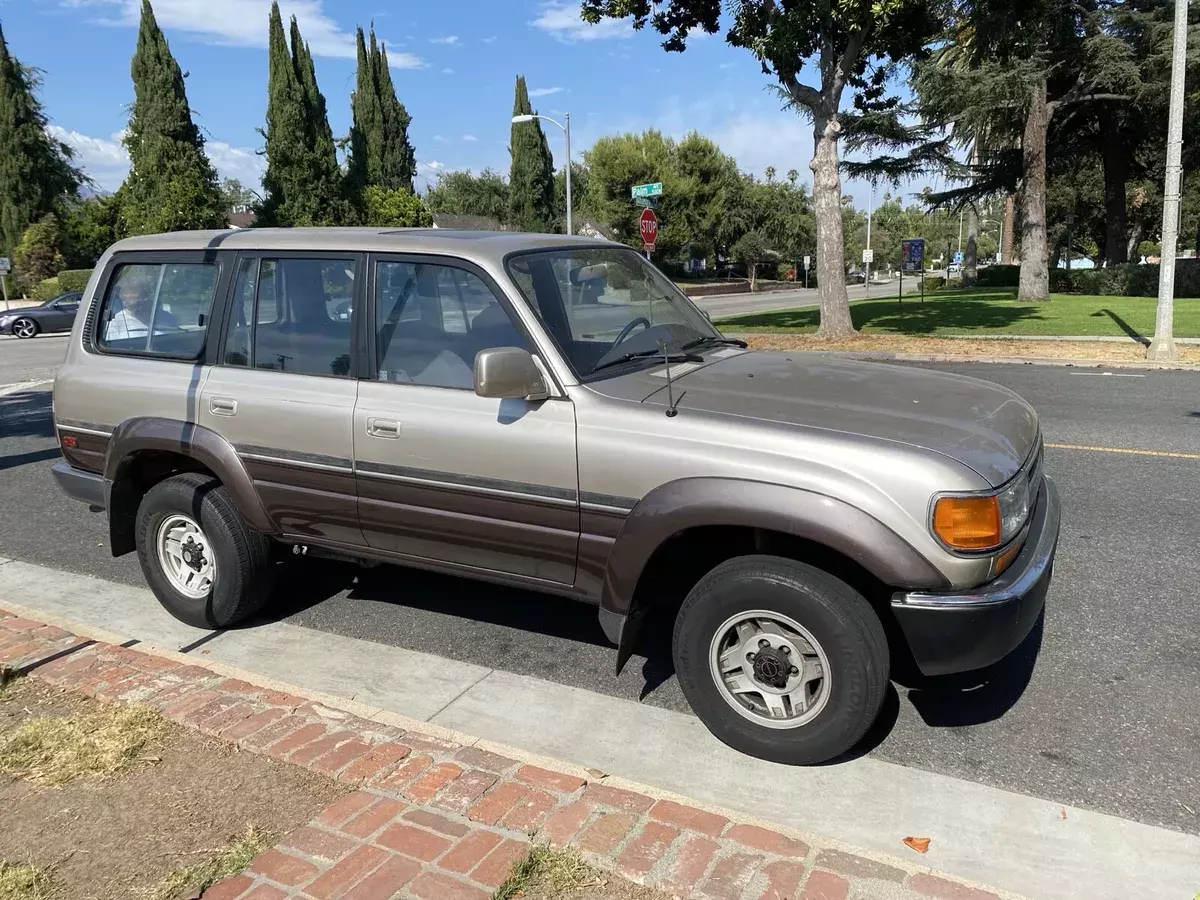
<point x="750" y="657"/>
<point x="787" y="651"/>
<point x="793" y="671"/>
<point x="764" y="644"/>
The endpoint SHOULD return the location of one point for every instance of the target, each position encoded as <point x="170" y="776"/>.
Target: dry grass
<point x="562" y="870"/>
<point x="20" y="882"/>
<point x="223" y="863"/>
<point x="7" y="677"/>
<point x="56" y="750"/>
<point x="1099" y="351"/>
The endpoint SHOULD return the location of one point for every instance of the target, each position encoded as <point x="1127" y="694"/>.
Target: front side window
<point x="607" y="308"/>
<point x="158" y="308"/>
<point x="431" y="321"/>
<point x="292" y="315"/>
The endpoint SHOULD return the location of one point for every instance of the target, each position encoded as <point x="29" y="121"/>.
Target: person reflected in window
<point x="132" y="320"/>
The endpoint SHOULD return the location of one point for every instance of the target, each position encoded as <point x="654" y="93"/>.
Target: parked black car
<point x="54" y="315"/>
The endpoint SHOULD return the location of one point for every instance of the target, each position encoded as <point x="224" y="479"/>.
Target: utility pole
<point x="1070" y="237"/>
<point x="1163" y="345"/>
<point x="867" y="261"/>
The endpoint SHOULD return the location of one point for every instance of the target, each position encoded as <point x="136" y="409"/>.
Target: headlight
<point x="980" y="522"/>
<point x="4" y="320"/>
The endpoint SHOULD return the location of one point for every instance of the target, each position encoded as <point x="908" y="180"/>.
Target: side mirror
<point x="509" y="373"/>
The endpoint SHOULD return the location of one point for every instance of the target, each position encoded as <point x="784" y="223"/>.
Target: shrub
<point x="999" y="276"/>
<point x="37" y="256"/>
<point x="935" y="282"/>
<point x="44" y="290"/>
<point x="74" y="279"/>
<point x="395" y="209"/>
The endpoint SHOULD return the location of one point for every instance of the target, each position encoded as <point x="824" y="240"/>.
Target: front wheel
<point x="781" y="660"/>
<point x="205" y="566"/>
<point x="25" y="328"/>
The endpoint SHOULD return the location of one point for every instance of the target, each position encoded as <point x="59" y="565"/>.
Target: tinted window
<point x="292" y="315"/>
<point x="158" y="308"/>
<point x="432" y="320"/>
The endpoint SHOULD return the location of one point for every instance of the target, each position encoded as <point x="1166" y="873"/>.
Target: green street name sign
<point x="647" y="190"/>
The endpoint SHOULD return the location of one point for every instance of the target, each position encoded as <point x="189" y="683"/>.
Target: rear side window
<point x="292" y="315"/>
<point x="158" y="309"/>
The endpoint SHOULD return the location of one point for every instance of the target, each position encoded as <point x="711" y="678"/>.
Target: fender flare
<point x="692" y="502"/>
<point x="186" y="439"/>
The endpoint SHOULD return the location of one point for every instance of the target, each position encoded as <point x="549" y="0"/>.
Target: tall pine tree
<point x="531" y="178"/>
<point x="380" y="152"/>
<point x="303" y="181"/>
<point x="171" y="184"/>
<point x="35" y="171"/>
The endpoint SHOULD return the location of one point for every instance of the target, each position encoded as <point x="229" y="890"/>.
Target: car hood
<point x="982" y="425"/>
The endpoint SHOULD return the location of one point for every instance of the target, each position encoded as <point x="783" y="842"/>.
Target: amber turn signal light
<point x="968" y="523"/>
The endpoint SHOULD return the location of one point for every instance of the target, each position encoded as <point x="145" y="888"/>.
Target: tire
<point x="243" y="575"/>
<point x="25" y="328"/>
<point x="840" y="624"/>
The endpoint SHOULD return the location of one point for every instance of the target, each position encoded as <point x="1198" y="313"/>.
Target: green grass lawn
<point x="988" y="311"/>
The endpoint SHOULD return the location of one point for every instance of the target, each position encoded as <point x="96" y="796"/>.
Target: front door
<point x="283" y="392"/>
<point x="444" y="474"/>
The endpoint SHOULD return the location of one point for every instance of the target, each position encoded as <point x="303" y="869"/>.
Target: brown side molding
<point x="692" y="502"/>
<point x="195" y="441"/>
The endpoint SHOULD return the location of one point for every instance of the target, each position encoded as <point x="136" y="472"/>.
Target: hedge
<point x="1129" y="280"/>
<point x="999" y="276"/>
<point x="44" y="290"/>
<point x="74" y="279"/>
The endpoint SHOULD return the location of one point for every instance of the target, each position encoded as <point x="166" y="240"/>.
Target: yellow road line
<point x="1127" y="450"/>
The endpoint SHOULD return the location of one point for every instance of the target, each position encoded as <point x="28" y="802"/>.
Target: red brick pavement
<point x="435" y="820"/>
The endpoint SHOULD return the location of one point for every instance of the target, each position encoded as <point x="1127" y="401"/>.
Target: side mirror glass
<point x="509" y="373"/>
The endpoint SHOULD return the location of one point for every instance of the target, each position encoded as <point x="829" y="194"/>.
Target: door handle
<point x="383" y="428"/>
<point x="222" y="406"/>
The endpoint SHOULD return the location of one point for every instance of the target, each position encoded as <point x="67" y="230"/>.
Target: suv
<point x="552" y="412"/>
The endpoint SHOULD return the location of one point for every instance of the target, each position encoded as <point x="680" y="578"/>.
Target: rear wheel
<point x="25" y="327"/>
<point x="781" y="660"/>
<point x="204" y="564"/>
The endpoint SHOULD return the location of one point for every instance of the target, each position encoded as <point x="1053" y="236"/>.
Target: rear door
<point x="61" y="314"/>
<point x="284" y="387"/>
<point x="444" y="474"/>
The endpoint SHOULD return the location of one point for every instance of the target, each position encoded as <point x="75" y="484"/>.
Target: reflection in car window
<point x="432" y="320"/>
<point x="292" y="315"/>
<point x="592" y="299"/>
<point x="158" y="308"/>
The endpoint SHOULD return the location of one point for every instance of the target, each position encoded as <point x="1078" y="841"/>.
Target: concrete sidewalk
<point x="442" y="817"/>
<point x="1018" y="844"/>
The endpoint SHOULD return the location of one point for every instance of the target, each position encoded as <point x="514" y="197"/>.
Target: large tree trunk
<point x="1116" y="174"/>
<point x="1010" y="225"/>
<point x="831" y="246"/>
<point x="1136" y="234"/>
<point x="970" y="272"/>
<point x="1035" y="272"/>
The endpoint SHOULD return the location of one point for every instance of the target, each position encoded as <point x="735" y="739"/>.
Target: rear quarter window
<point x="157" y="309"/>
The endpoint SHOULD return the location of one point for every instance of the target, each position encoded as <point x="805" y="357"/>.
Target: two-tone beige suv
<point x="551" y="412"/>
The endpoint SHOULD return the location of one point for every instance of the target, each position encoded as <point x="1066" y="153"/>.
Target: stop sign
<point x="649" y="227"/>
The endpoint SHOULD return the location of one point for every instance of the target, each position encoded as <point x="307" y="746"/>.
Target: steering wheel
<point x="640" y="320"/>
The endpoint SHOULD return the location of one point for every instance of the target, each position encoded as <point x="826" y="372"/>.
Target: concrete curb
<point x="877" y="356"/>
<point x="657" y="830"/>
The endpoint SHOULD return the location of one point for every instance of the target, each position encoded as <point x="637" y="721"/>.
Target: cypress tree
<point x="303" y="181"/>
<point x="380" y="152"/>
<point x="35" y="171"/>
<point x="531" y="178"/>
<point x="171" y="184"/>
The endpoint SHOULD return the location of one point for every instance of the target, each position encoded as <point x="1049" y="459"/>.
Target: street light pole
<point x="566" y="129"/>
<point x="1163" y="345"/>
<point x="867" y="264"/>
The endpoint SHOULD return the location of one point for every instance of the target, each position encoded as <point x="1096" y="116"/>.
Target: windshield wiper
<point x="709" y="339"/>
<point x="642" y="354"/>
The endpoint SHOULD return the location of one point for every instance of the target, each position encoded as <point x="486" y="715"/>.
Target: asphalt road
<point x="1097" y="710"/>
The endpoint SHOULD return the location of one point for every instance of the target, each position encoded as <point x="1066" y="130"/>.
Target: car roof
<point x="489" y="246"/>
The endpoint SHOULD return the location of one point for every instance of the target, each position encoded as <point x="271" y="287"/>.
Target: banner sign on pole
<point x="912" y="255"/>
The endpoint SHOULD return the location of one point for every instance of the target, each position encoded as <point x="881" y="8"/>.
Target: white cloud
<point x="106" y="161"/>
<point x="727" y="65"/>
<point x="447" y="71"/>
<point x="470" y="138"/>
<point x="240" y="23"/>
<point x="491" y="39"/>
<point x="545" y="92"/>
<point x="441" y="139"/>
<point x="560" y="19"/>
<point x="448" y="39"/>
<point x="433" y="165"/>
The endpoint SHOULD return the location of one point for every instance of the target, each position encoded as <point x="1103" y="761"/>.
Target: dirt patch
<point x="1101" y="351"/>
<point x="547" y="874"/>
<point x="190" y="802"/>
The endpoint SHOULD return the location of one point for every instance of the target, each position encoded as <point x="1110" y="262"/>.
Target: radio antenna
<point x="672" y="412"/>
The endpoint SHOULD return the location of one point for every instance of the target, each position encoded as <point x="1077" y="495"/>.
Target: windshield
<point x="607" y="308"/>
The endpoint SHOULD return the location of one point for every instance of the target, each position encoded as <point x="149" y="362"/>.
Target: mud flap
<point x="627" y="641"/>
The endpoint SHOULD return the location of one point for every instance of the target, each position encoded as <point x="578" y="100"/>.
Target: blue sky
<point x="454" y="62"/>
